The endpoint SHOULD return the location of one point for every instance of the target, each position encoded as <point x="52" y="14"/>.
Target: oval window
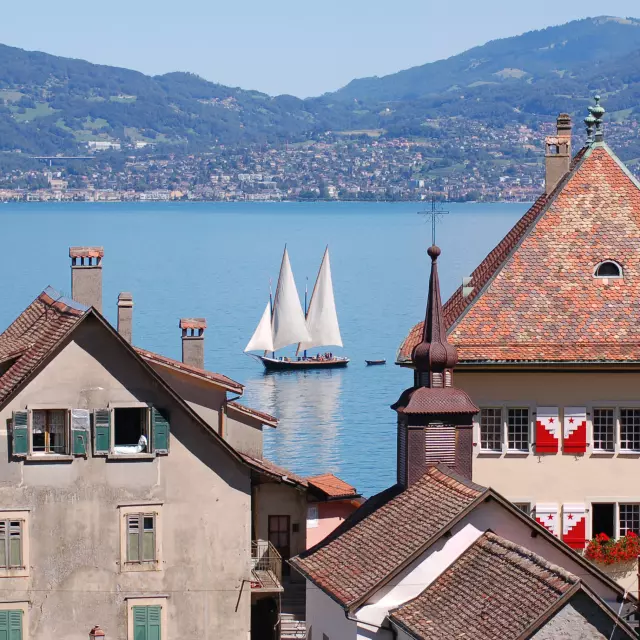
<point x="608" y="269"/>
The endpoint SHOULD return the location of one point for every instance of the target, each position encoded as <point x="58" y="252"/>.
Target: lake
<point x="215" y="260"/>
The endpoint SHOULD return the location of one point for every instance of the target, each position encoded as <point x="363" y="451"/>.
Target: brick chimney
<point x="435" y="419"/>
<point x="86" y="275"/>
<point x="558" y="153"/>
<point x="125" y="316"/>
<point x="193" y="341"/>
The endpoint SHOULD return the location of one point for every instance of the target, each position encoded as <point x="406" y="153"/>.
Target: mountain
<point x="567" y="52"/>
<point x="51" y="105"/>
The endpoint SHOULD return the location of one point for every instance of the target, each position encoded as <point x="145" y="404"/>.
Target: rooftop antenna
<point x="435" y="214"/>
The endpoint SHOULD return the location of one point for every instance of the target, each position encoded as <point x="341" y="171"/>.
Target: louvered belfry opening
<point x="435" y="419"/>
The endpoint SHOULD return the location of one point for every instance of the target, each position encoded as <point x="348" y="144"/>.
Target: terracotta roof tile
<point x="435" y="400"/>
<point x="264" y="417"/>
<point x="384" y="533"/>
<point x="332" y="486"/>
<point x="33" y="335"/>
<point x="262" y="465"/>
<point x="496" y="589"/>
<point x="540" y="277"/>
<point x="217" y="378"/>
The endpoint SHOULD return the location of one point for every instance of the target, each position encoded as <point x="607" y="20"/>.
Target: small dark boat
<point x="373" y="362"/>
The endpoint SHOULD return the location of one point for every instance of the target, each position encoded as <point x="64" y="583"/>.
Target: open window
<point x="603" y="519"/>
<point x="131" y="430"/>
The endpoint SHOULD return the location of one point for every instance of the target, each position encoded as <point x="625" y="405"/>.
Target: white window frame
<point x="501" y="433"/>
<point x="590" y="416"/>
<point x="43" y="456"/>
<point x="23" y="516"/>
<point x="620" y="408"/>
<point x="506" y="428"/>
<point x="154" y="508"/>
<point x="620" y="269"/>
<point x="112" y="406"/>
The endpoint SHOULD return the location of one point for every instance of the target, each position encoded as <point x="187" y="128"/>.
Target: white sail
<point x="262" y="339"/>
<point x="322" y="318"/>
<point x="288" y="323"/>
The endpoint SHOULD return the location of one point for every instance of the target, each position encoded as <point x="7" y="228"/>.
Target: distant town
<point x="468" y="162"/>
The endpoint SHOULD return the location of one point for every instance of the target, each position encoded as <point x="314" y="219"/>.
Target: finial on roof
<point x="434" y="354"/>
<point x="596" y="112"/>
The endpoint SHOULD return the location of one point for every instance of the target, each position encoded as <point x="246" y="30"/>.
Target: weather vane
<point x="435" y="214"/>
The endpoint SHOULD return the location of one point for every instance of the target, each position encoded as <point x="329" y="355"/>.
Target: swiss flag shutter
<point x="547" y="516"/>
<point x="573" y="525"/>
<point x="575" y="430"/>
<point x="547" y="429"/>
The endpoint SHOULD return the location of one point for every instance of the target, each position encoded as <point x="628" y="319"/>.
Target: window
<point x="518" y="429"/>
<point x="11" y="544"/>
<point x="141" y="537"/>
<point x="603" y="430"/>
<point x="491" y="429"/>
<point x="603" y="519"/>
<point x="630" y="429"/>
<point x="312" y="516"/>
<point x="48" y="431"/>
<point x="629" y="519"/>
<point x="147" y="618"/>
<point x="11" y="624"/>
<point x="525" y="507"/>
<point x="130" y="429"/>
<point x="608" y="269"/>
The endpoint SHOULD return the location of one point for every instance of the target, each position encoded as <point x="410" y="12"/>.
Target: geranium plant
<point x="606" y="551"/>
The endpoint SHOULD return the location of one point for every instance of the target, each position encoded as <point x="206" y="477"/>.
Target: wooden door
<point x="280" y="538"/>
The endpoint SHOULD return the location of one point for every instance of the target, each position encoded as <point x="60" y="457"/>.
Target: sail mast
<point x="322" y="318"/>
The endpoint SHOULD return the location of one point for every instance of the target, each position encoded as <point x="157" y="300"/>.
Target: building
<point x="131" y="482"/>
<point x="548" y="343"/>
<point x="439" y="556"/>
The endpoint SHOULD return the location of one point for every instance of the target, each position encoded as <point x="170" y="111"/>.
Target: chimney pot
<point x="86" y="275"/>
<point x="193" y="341"/>
<point x="125" y="316"/>
<point x="558" y="153"/>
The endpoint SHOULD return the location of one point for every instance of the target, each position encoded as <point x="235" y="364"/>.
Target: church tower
<point x="435" y="420"/>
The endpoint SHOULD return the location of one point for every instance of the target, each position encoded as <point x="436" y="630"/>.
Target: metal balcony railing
<point x="266" y="566"/>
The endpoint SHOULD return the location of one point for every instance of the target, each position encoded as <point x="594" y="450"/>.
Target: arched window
<point x="608" y="269"/>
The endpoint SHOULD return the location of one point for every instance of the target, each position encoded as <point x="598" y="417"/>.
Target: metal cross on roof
<point x="435" y="213"/>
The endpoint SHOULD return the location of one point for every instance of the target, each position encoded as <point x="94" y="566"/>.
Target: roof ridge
<point x="454" y="480"/>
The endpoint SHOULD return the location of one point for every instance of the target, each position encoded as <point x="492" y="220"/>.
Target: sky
<point x="299" y="47"/>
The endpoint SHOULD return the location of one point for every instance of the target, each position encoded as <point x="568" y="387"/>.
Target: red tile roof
<point x="86" y="252"/>
<point x="384" y="533"/>
<point x="540" y="277"/>
<point x="332" y="486"/>
<point x="496" y="589"/>
<point x="265" y="418"/>
<point x="32" y="336"/>
<point x="203" y="374"/>
<point x="192" y="323"/>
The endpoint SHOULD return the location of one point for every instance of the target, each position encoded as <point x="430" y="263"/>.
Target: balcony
<point x="266" y="567"/>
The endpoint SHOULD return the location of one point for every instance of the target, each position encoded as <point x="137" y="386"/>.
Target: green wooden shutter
<point x="15" y="624"/>
<point x="102" y="428"/>
<point x="11" y="625"/>
<point x="160" y="430"/>
<point x="146" y="623"/>
<point x="20" y="433"/>
<point x="80" y="429"/>
<point x="139" y="623"/>
<point x="154" y="614"/>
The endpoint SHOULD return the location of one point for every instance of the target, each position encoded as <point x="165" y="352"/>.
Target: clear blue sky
<point x="302" y="47"/>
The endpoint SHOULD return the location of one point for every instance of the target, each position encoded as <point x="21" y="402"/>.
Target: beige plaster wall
<point x="557" y="478"/>
<point x="243" y="433"/>
<point x="274" y="499"/>
<point x="74" y="579"/>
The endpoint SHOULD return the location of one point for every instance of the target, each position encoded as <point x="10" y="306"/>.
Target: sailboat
<point x="284" y="323"/>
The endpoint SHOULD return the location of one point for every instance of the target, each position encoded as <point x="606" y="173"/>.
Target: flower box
<point x="604" y="550"/>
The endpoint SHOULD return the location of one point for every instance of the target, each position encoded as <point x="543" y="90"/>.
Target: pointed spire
<point x="434" y="354"/>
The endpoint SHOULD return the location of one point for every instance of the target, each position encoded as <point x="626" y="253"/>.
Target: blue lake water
<point x="215" y="260"/>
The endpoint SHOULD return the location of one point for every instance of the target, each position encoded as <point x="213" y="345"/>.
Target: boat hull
<point x="275" y="364"/>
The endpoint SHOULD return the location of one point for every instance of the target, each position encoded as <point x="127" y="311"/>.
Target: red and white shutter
<point x="547" y="429"/>
<point x="547" y="516"/>
<point x="574" y="517"/>
<point x="575" y="430"/>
